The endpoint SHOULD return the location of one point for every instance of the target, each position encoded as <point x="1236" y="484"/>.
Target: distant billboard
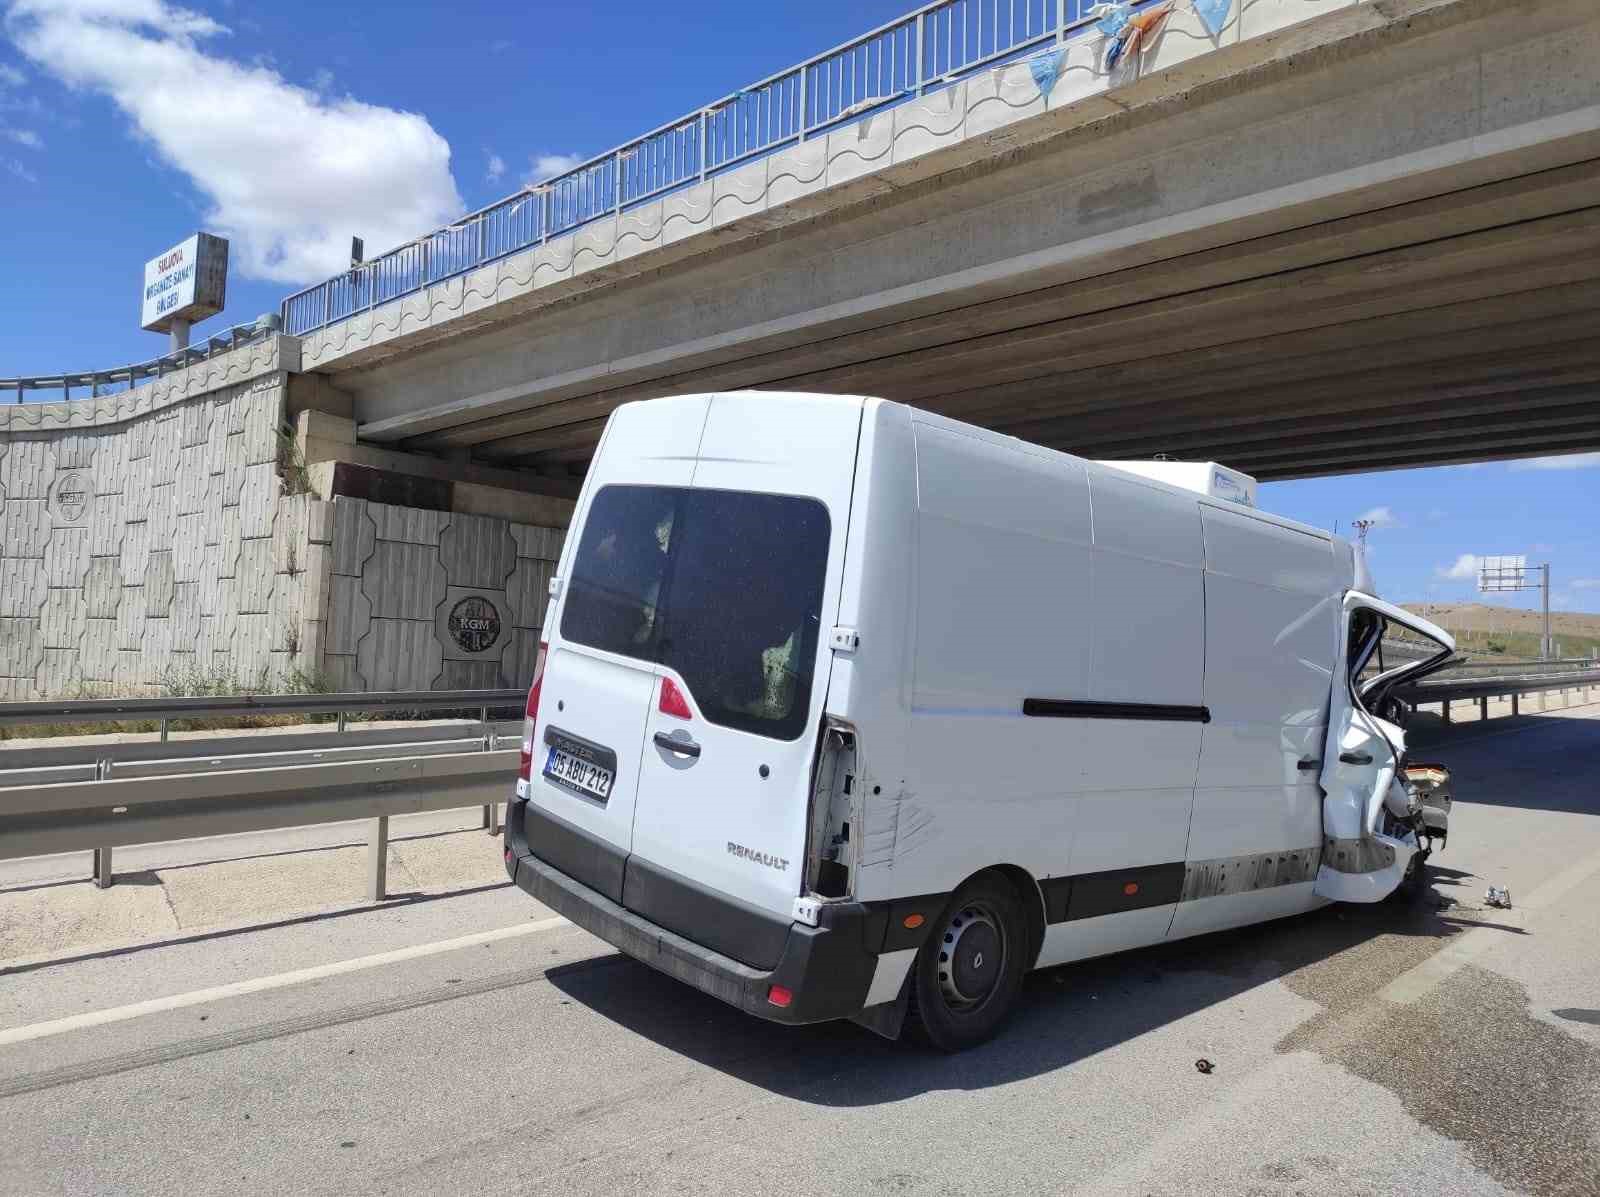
<point x="1499" y="574"/>
<point x="189" y="282"/>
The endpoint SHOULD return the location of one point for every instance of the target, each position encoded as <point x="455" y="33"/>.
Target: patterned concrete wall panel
<point x="136" y="491"/>
<point x="516" y="667"/>
<point x="313" y="643"/>
<point x="289" y="535"/>
<point x="165" y="445"/>
<point x="349" y="614"/>
<point x="228" y="546"/>
<point x="314" y="579"/>
<point x="130" y="619"/>
<point x="340" y="673"/>
<point x="231" y="480"/>
<point x="130" y="671"/>
<point x="399" y="654"/>
<point x="59" y="675"/>
<point x="26" y="527"/>
<point x="541" y="543"/>
<point x="61" y="619"/>
<point x="102" y="587"/>
<point x="155" y="664"/>
<point x="227" y="616"/>
<point x="158" y="584"/>
<point x="189" y="548"/>
<point x="21" y="644"/>
<point x="477" y="551"/>
<point x="99" y="650"/>
<point x="193" y="480"/>
<point x="22" y="586"/>
<point x="28" y="469"/>
<point x="185" y="614"/>
<point x="216" y="456"/>
<point x="255" y="576"/>
<point x="860" y="148"/>
<point x="403" y="581"/>
<point x="410" y="524"/>
<point x="135" y="554"/>
<point x="528" y="593"/>
<point x="319" y="521"/>
<point x="163" y="514"/>
<point x="111" y="463"/>
<point x="71" y="498"/>
<point x="66" y="557"/>
<point x="252" y="648"/>
<point x="470" y="675"/>
<point x="107" y="524"/>
<point x="798" y="171"/>
<point x="194" y="421"/>
<point x="262" y="415"/>
<point x="141" y="439"/>
<point x="354" y="536"/>
<point x="286" y="614"/>
<point x="258" y="499"/>
<point x="76" y="451"/>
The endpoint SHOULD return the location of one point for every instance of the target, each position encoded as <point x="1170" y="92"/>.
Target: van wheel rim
<point x="972" y="957"/>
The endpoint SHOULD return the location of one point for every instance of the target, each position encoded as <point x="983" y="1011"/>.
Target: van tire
<point x="958" y="999"/>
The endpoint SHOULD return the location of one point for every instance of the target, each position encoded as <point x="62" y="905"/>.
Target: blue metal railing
<point x="922" y="51"/>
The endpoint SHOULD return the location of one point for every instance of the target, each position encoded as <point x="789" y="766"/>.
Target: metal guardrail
<point x="109" y="382"/>
<point x="1450" y="686"/>
<point x="106" y="794"/>
<point x="924" y="50"/>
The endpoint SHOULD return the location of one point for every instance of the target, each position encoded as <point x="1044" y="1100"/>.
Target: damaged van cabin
<point x="846" y="710"/>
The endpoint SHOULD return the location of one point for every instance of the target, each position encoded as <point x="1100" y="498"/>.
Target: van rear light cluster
<point x="525" y="765"/>
<point x="673" y="701"/>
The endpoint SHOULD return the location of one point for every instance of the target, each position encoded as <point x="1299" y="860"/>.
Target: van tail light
<point x="673" y="701"/>
<point x="525" y="766"/>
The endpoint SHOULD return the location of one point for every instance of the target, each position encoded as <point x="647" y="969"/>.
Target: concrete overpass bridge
<point x="1344" y="235"/>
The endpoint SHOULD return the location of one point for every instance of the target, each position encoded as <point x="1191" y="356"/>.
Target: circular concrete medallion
<point x="70" y="499"/>
<point x="474" y="624"/>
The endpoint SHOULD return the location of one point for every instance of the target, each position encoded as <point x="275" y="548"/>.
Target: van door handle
<point x="672" y="744"/>
<point x="1308" y="763"/>
<point x="1355" y="758"/>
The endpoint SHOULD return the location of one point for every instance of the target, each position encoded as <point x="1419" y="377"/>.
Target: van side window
<point x="723" y="586"/>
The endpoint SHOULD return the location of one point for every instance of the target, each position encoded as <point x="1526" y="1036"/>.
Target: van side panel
<point x="1272" y="606"/>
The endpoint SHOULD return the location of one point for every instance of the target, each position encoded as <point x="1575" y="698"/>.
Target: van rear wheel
<point x="970" y="970"/>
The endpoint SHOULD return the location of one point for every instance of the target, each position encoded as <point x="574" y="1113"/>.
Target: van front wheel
<point x="970" y="970"/>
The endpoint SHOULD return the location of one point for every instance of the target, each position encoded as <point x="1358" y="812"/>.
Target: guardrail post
<point x="1515" y="704"/>
<point x="377" y="857"/>
<point x="491" y="810"/>
<point x="102" y="868"/>
<point x="1483" y="707"/>
<point x="1444" y="710"/>
<point x="1541" y="700"/>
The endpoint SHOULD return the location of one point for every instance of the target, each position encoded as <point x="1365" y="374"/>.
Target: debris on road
<point x="1499" y="896"/>
<point x="1204" y="1066"/>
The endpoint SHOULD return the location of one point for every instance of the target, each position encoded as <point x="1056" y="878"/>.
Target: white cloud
<point x="10" y="76"/>
<point x="322" y="81"/>
<point x="1380" y="517"/>
<point x="547" y="166"/>
<point x="1466" y="566"/>
<point x="1569" y="461"/>
<point x="16" y="169"/>
<point x="1586" y="583"/>
<point x="496" y="168"/>
<point x="289" y="175"/>
<point x="25" y="137"/>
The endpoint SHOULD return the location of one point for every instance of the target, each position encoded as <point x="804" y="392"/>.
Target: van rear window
<point x="723" y="586"/>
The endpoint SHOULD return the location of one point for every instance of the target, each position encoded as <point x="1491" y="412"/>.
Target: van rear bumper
<point x="828" y="969"/>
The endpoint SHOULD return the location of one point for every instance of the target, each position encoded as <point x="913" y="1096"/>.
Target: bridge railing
<point x="121" y="378"/>
<point x="926" y="49"/>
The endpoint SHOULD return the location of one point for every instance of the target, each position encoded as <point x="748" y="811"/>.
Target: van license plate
<point x="577" y="774"/>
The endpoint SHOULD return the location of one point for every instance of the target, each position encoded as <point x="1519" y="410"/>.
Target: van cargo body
<point x="848" y="710"/>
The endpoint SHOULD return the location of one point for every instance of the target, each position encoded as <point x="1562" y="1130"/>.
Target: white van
<point x="847" y="710"/>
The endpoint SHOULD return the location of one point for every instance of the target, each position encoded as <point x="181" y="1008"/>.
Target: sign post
<point x="186" y="283"/>
<point x="1501" y="575"/>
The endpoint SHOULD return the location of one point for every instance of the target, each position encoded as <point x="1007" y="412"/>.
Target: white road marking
<point x="1425" y="977"/>
<point x="197" y="997"/>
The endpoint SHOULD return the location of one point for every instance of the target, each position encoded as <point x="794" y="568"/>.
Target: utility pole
<point x="1547" y="650"/>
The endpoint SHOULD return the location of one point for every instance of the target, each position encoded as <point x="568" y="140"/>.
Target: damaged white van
<point x="846" y="710"/>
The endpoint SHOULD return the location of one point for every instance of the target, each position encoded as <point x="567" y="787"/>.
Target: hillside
<point x="1480" y="627"/>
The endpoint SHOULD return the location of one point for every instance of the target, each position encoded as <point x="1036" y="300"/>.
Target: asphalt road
<point x="1443" y="1047"/>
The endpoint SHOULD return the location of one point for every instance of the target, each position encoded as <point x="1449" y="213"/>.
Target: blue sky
<point x="125" y="125"/>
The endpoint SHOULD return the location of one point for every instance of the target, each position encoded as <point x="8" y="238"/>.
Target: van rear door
<point x="1361" y="861"/>
<point x="596" y="691"/>
<point x="720" y="821"/>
